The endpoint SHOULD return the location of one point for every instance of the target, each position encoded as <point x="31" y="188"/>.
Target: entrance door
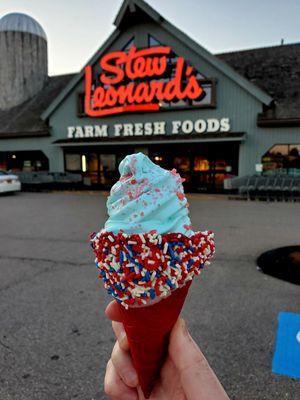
<point x="107" y="169"/>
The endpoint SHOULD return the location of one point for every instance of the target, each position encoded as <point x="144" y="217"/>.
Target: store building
<point x="150" y="88"/>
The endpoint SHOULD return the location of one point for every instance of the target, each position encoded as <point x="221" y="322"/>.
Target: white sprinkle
<point x="110" y="238"/>
<point x="151" y="262"/>
<point x="165" y="248"/>
<point x="142" y="238"/>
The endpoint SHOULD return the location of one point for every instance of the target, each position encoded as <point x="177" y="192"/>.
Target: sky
<point x="77" y="28"/>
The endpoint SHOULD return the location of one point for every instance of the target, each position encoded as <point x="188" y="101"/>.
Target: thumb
<point x="197" y="378"/>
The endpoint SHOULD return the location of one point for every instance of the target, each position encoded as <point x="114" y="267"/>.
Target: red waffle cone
<point x="148" y="330"/>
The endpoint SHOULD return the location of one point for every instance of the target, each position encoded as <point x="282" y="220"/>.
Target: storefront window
<point x="182" y="164"/>
<point x="73" y="162"/>
<point x="24" y="161"/>
<point x="201" y="164"/>
<point x="283" y="158"/>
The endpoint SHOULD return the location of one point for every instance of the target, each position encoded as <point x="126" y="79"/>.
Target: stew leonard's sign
<point x="209" y="125"/>
<point x="140" y="80"/>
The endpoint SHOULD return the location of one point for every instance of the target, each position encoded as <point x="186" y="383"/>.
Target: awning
<point x="153" y="139"/>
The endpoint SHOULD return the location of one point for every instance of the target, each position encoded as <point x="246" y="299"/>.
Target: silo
<point x="23" y="59"/>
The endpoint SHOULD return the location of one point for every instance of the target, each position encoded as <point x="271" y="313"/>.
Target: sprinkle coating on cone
<point x="138" y="268"/>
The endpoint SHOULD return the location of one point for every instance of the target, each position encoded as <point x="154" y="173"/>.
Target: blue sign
<point x="286" y="360"/>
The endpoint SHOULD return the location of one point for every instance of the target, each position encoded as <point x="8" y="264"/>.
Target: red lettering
<point x="120" y="58"/>
<point x="137" y="95"/>
<point x="139" y="64"/>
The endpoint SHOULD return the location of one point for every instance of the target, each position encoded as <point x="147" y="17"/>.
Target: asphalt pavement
<point x="54" y="338"/>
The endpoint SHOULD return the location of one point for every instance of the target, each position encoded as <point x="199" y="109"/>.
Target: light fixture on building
<point x="13" y="156"/>
<point x="158" y="158"/>
<point x="258" y="167"/>
<point x="83" y="163"/>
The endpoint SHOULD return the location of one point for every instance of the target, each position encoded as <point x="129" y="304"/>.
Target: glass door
<point x="92" y="165"/>
<point x="107" y="169"/>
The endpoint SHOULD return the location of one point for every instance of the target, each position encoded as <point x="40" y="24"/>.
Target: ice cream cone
<point x="148" y="330"/>
<point x="147" y="255"/>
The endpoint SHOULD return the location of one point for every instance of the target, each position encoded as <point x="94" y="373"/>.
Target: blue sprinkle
<point x="118" y="286"/>
<point x="152" y="293"/>
<point x="170" y="284"/>
<point x="190" y="263"/>
<point x="147" y="276"/>
<point x="121" y="256"/>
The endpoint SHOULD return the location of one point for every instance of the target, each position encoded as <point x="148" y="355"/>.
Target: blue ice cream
<point x="147" y="198"/>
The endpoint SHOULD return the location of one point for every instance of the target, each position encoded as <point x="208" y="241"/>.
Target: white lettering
<point x="138" y="131"/>
<point x="88" y="131"/>
<point x="148" y="128"/>
<point x="213" y="125"/>
<point x="175" y="126"/>
<point x="200" y="126"/>
<point x="79" y="132"/>
<point x="71" y="130"/>
<point x="151" y="128"/>
<point x="187" y="126"/>
<point x="118" y="129"/>
<point x="101" y="131"/>
<point x="128" y="129"/>
<point x="159" y="128"/>
<point x="225" y="125"/>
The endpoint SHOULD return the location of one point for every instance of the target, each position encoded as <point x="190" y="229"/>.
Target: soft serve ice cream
<point x="147" y="198"/>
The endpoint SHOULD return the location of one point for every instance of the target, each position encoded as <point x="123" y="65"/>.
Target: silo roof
<point x="19" y="22"/>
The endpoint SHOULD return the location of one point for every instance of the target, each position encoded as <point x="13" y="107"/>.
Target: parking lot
<point x="54" y="338"/>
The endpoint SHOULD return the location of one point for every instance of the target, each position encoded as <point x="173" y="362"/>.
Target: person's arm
<point x="185" y="375"/>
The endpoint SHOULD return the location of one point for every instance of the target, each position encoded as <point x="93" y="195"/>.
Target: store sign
<point x="139" y="80"/>
<point x="210" y="125"/>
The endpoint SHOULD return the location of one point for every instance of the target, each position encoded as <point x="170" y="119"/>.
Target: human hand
<point x="185" y="375"/>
